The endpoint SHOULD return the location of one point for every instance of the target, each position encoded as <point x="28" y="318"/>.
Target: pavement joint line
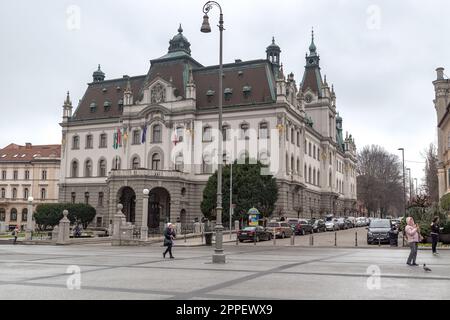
<point x="361" y="275"/>
<point x="258" y="274"/>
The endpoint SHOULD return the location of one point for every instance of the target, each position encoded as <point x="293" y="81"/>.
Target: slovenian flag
<point x="144" y="134"/>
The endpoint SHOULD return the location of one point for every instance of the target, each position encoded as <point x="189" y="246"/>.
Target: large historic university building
<point x="442" y="106"/>
<point x="158" y="131"/>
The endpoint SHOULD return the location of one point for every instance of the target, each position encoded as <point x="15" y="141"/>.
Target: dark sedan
<point x="254" y="234"/>
<point x="379" y="231"/>
<point x="302" y="227"/>
<point x="319" y="226"/>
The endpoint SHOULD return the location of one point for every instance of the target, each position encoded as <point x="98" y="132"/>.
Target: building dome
<point x="98" y="75"/>
<point x="180" y="43"/>
<point x="273" y="47"/>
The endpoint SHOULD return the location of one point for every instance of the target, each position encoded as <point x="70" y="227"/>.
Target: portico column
<point x="144" y="225"/>
<point x="29" y="231"/>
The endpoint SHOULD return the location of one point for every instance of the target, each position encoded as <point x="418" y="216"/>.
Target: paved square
<point x="251" y="272"/>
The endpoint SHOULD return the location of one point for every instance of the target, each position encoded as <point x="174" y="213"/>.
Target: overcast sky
<point x="380" y="55"/>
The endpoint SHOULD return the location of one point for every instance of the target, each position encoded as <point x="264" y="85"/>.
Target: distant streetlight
<point x="404" y="183"/>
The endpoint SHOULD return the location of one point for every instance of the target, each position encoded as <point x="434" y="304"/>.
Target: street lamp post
<point x="409" y="183"/>
<point x="144" y="226"/>
<point x="417" y="192"/>
<point x="29" y="231"/>
<point x="218" y="256"/>
<point x="404" y="186"/>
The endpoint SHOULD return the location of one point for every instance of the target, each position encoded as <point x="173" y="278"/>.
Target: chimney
<point x="440" y="73"/>
<point x="28" y="145"/>
<point x="237" y="60"/>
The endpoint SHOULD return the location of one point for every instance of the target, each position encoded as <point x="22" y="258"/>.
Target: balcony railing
<point x="148" y="173"/>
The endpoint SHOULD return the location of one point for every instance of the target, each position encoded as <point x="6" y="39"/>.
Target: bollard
<point x="237" y="240"/>
<point x="312" y="240"/>
<point x="335" y="239"/>
<point x="356" y="239"/>
<point x="293" y="239"/>
<point x="254" y="239"/>
<point x="185" y="236"/>
<point x="274" y="238"/>
<point x="379" y="241"/>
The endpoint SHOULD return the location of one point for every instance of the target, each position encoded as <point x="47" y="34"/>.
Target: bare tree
<point x="380" y="185"/>
<point x="431" y="184"/>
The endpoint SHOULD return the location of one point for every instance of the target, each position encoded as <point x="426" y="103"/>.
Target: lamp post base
<point x="144" y="233"/>
<point x="28" y="235"/>
<point x="218" y="258"/>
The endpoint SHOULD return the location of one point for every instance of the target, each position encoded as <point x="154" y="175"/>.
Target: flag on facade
<point x="119" y="138"/>
<point x="115" y="143"/>
<point x="125" y="137"/>
<point x="144" y="134"/>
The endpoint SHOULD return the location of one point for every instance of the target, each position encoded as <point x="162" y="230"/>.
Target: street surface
<point x="251" y="272"/>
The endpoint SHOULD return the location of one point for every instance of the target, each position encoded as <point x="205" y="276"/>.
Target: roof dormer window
<point x="228" y="93"/>
<point x="210" y="94"/>
<point x="247" y="91"/>
<point x="107" y="106"/>
<point x="93" y="107"/>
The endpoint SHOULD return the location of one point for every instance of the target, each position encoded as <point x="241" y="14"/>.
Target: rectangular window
<point x="27" y="175"/>
<point x="44" y="175"/>
<point x="136" y="137"/>
<point x="100" y="199"/>
<point x="89" y="142"/>
<point x="15" y="175"/>
<point x="3" y="195"/>
<point x="226" y="133"/>
<point x="180" y="131"/>
<point x="207" y="136"/>
<point x="4" y="175"/>
<point x="73" y="197"/>
<point x="76" y="143"/>
<point x="103" y="141"/>
<point x="43" y="194"/>
<point x="263" y="131"/>
<point x="86" y="197"/>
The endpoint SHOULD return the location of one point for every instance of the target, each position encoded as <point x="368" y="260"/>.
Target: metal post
<point x="293" y="239"/>
<point x="356" y="238"/>
<point x="312" y="240"/>
<point x="404" y="182"/>
<point x="379" y="241"/>
<point x="335" y="239"/>
<point x="218" y="256"/>
<point x="254" y="238"/>
<point x="274" y="237"/>
<point x="231" y="196"/>
<point x="144" y="226"/>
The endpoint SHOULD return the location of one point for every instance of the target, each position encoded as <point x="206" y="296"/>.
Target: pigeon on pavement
<point x="426" y="268"/>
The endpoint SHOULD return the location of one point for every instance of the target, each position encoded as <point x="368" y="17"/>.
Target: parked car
<point x="254" y="233"/>
<point x="348" y="224"/>
<point x="302" y="227"/>
<point x="341" y="224"/>
<point x="396" y="222"/>
<point x="331" y="225"/>
<point x="280" y="229"/>
<point x="352" y="221"/>
<point x="319" y="226"/>
<point x="379" y="231"/>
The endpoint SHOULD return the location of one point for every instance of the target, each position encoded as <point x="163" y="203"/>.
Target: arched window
<point x="14" y="193"/>
<point x="24" y="214"/>
<point x="13" y="214"/>
<point x="102" y="168"/>
<point x="156" y="134"/>
<point x="292" y="164"/>
<point x="298" y="166"/>
<point x="314" y="152"/>
<point x="116" y="163"/>
<point x="329" y="179"/>
<point x="156" y="161"/>
<point x="89" y="141"/>
<point x="43" y="194"/>
<point x="226" y="133"/>
<point x="25" y="193"/>
<point x="74" y="169"/>
<point x="263" y="130"/>
<point x="305" y="173"/>
<point x="135" y="163"/>
<point x="264" y="158"/>
<point x="314" y="176"/>
<point x="292" y="136"/>
<point x="287" y="164"/>
<point x="179" y="163"/>
<point x="318" y="177"/>
<point x="2" y="215"/>
<point x="88" y="168"/>
<point x="309" y="175"/>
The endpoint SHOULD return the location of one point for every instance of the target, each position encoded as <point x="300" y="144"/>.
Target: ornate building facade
<point x="442" y="106"/>
<point x="158" y="131"/>
<point x="27" y="171"/>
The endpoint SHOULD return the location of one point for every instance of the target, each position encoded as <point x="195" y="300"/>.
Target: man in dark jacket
<point x="435" y="234"/>
<point x="169" y="235"/>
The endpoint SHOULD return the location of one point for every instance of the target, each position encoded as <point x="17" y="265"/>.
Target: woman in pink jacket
<point x="412" y="233"/>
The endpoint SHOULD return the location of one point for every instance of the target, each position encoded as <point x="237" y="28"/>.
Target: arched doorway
<point x="127" y="198"/>
<point x="158" y="208"/>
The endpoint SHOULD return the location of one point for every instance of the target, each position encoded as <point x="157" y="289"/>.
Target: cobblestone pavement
<point x="261" y="272"/>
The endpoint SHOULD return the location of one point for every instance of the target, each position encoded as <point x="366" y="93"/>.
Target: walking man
<point x="15" y="233"/>
<point x="169" y="235"/>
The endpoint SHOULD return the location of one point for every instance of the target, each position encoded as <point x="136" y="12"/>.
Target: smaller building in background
<point x="27" y="171"/>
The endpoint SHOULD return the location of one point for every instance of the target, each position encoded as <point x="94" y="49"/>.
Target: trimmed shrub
<point x="49" y="215"/>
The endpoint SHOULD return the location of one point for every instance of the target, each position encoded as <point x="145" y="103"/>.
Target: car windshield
<point x="273" y="225"/>
<point x="249" y="229"/>
<point x="380" y="224"/>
